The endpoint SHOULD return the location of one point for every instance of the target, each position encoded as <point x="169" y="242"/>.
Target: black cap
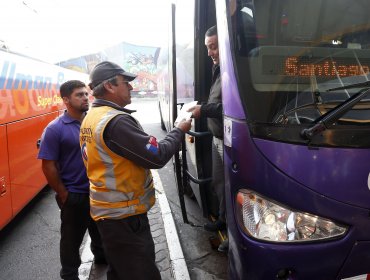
<point x="106" y="70"/>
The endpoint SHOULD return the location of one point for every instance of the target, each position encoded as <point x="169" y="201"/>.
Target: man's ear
<point x="108" y="87"/>
<point x="65" y="100"/>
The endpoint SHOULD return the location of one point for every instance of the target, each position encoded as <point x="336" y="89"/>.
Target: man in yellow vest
<point x="118" y="156"/>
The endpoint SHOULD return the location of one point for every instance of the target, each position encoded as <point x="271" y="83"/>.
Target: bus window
<point x="295" y="52"/>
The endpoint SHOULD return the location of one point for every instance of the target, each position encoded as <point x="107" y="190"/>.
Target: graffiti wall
<point x="140" y="60"/>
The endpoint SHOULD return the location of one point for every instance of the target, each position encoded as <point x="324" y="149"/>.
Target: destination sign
<point x="305" y="66"/>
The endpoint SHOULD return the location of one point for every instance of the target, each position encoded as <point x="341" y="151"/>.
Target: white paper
<point x="183" y="114"/>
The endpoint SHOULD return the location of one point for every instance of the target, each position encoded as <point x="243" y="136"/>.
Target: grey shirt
<point x="213" y="110"/>
<point x="124" y="136"/>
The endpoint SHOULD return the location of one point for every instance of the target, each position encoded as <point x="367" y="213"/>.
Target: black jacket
<point x="213" y="110"/>
<point x="124" y="136"/>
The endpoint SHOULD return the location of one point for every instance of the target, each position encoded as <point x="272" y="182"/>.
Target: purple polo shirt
<point x="60" y="142"/>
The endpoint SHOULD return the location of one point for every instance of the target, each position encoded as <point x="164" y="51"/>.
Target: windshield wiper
<point x="357" y="85"/>
<point x="323" y="122"/>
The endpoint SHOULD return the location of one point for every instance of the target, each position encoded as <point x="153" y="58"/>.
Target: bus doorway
<point x="190" y="74"/>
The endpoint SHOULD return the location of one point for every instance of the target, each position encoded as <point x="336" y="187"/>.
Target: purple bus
<point x="296" y="97"/>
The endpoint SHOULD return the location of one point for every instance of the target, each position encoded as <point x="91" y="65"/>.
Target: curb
<point x="177" y="260"/>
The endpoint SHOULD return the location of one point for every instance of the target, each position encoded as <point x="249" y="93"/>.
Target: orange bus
<point x="29" y="100"/>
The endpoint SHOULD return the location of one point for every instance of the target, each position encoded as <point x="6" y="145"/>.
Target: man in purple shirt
<point x="66" y="174"/>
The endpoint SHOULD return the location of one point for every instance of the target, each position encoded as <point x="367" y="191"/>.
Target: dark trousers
<point x="75" y="219"/>
<point x="129" y="248"/>
<point x="218" y="179"/>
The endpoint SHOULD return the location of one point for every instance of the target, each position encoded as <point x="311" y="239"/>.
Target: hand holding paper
<point x="183" y="120"/>
<point x="184" y="125"/>
<point x="184" y="114"/>
<point x="195" y="111"/>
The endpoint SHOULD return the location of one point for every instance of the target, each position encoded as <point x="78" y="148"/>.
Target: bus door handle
<point x="199" y="134"/>
<point x="2" y="186"/>
<point x="196" y="180"/>
<point x="38" y="143"/>
<point x="193" y="134"/>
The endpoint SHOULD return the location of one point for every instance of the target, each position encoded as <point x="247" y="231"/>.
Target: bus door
<point x="192" y="76"/>
<point x="5" y="198"/>
<point x="25" y="178"/>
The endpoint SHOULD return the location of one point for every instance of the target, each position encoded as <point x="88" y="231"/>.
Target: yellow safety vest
<point x="118" y="187"/>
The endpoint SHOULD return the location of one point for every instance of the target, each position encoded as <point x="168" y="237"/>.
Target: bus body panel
<point x="267" y="168"/>
<point x="26" y="179"/>
<point x="17" y="104"/>
<point x="5" y="197"/>
<point x="359" y="257"/>
<point x="29" y="87"/>
<point x="309" y="170"/>
<point x="29" y="100"/>
<point x="257" y="173"/>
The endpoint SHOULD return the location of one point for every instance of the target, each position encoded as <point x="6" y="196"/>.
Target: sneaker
<point x="224" y="246"/>
<point x="215" y="226"/>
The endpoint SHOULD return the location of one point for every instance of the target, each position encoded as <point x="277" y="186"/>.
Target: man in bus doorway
<point x="213" y="111"/>
<point x="118" y="155"/>
<point x="66" y="174"/>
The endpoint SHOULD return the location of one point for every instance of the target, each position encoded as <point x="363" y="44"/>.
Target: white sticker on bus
<point x="228" y="131"/>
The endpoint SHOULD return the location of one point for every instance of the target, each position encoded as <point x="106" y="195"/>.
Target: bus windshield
<point x="290" y="53"/>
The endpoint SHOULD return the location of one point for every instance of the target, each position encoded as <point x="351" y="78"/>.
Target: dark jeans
<point x="129" y="248"/>
<point x="75" y="219"/>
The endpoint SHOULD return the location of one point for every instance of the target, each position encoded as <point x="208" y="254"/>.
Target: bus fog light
<point x="267" y="220"/>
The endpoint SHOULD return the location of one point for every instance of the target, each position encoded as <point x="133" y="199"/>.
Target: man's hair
<point x="68" y="87"/>
<point x="211" y="31"/>
<point x="100" y="90"/>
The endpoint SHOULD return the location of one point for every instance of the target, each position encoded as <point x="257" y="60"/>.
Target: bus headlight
<point x="266" y="220"/>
